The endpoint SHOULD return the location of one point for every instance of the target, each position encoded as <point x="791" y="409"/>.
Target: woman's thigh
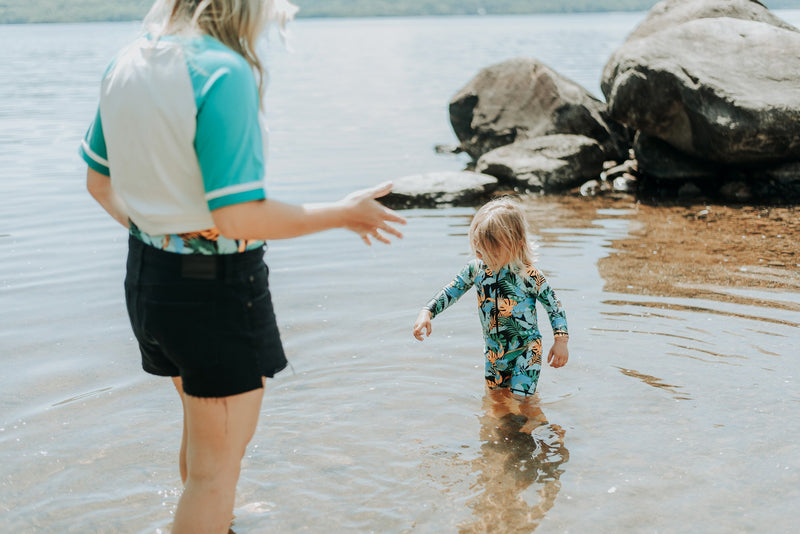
<point x="218" y="431"/>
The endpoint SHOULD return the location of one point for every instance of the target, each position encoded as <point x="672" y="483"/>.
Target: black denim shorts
<point x="207" y="319"/>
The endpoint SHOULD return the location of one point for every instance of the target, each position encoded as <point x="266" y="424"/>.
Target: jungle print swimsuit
<point x="507" y="310"/>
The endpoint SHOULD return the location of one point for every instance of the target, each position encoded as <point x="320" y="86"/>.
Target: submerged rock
<point x="548" y="163"/>
<point x="434" y="189"/>
<point x="523" y="98"/>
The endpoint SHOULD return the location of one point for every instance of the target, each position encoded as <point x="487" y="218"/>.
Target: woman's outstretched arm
<point x="270" y="219"/>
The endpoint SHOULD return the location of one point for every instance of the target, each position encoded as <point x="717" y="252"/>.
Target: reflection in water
<point x="520" y="449"/>
<point x="701" y="309"/>
<point x="671" y="251"/>
<point x="655" y="382"/>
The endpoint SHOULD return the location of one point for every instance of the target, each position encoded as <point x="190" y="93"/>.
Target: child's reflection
<point x="520" y="448"/>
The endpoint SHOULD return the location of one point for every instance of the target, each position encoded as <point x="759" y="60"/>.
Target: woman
<point x="175" y="154"/>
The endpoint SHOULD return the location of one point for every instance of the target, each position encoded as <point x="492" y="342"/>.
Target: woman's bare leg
<point x="217" y="433"/>
<point x="182" y="458"/>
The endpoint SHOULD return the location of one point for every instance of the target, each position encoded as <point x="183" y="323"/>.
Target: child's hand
<point x="559" y="354"/>
<point x="423" y="323"/>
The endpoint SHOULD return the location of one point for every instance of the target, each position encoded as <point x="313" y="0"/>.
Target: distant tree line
<point x="22" y="11"/>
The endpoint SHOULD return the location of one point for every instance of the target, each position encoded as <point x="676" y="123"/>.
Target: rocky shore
<point x="702" y="101"/>
<point x="687" y="249"/>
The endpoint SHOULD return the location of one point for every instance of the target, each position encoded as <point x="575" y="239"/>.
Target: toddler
<point x="508" y="287"/>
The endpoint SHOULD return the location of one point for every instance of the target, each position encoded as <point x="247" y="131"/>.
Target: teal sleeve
<point x="453" y="291"/>
<point x="555" y="311"/>
<point x="228" y="140"/>
<point x="93" y="147"/>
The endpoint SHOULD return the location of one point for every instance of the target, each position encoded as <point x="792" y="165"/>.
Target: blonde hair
<point x="498" y="233"/>
<point x="237" y="24"/>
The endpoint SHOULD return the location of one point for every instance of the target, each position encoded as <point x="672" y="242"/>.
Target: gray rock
<point x="611" y="172"/>
<point x="720" y="89"/>
<point x="447" y="149"/>
<point x="548" y="163"/>
<point x="781" y="182"/>
<point x="627" y="183"/>
<point x="522" y="98"/>
<point x="674" y="12"/>
<point x="591" y="188"/>
<point x="689" y="190"/>
<point x="434" y="189"/>
<point x="786" y="173"/>
<point x="657" y="159"/>
<point x="738" y="191"/>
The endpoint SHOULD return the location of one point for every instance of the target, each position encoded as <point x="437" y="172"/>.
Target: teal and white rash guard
<point x="178" y="130"/>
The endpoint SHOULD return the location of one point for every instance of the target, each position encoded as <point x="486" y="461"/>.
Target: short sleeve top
<point x="179" y="132"/>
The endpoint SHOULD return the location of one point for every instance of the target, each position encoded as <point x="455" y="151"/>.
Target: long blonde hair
<point x="498" y="231"/>
<point x="237" y="24"/>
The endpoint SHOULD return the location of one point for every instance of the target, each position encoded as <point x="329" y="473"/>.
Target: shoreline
<point x="139" y="18"/>
<point x="690" y="249"/>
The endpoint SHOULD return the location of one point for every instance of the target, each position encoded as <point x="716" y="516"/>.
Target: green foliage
<point x="19" y="11"/>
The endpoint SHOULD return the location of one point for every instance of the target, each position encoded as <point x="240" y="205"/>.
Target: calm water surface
<point x="673" y="415"/>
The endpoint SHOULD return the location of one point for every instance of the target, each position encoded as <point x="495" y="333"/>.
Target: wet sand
<point x="688" y="250"/>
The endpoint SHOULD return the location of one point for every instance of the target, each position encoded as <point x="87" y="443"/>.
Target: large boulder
<point x="657" y="159"/>
<point x="448" y="188"/>
<point x="545" y="164"/>
<point x="720" y="89"/>
<point x="523" y="98"/>
<point x="781" y="181"/>
<point x="674" y="12"/>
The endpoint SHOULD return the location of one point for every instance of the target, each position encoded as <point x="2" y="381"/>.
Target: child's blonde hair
<point x="235" y="23"/>
<point x="498" y="233"/>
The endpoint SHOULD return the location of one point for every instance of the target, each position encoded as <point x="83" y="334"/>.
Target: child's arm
<point x="448" y="295"/>
<point x="559" y="353"/>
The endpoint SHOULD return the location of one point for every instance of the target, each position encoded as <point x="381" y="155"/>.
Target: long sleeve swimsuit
<point x="507" y="310"/>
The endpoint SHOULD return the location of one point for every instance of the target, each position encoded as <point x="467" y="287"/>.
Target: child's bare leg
<point x="530" y="408"/>
<point x="497" y="403"/>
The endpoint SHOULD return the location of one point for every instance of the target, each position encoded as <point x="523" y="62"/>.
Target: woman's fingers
<point x="369" y="218"/>
<point x="377" y="229"/>
<point x="391" y="230"/>
<point x="392" y="216"/>
<point x="380" y="237"/>
<point x="380" y="190"/>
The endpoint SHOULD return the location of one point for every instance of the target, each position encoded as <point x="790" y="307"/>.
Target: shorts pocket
<point x="187" y="332"/>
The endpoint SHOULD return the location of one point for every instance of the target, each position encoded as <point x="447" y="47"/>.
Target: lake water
<point x="676" y="413"/>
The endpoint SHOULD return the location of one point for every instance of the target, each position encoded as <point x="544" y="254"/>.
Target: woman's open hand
<point x="369" y="218"/>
